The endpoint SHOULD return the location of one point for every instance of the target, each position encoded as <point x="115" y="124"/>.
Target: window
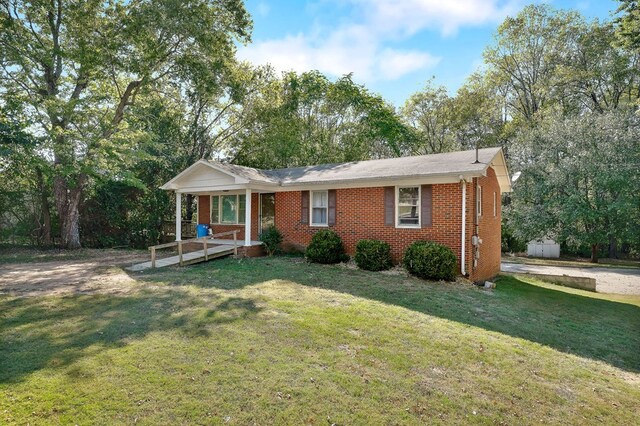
<point x="215" y="209"/>
<point x="228" y="209"/>
<point x="495" y="204"/>
<point x="319" y="207"/>
<point x="479" y="201"/>
<point x="242" y="208"/>
<point x="408" y="213"/>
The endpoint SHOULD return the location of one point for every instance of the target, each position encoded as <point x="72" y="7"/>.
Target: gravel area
<point x="608" y="280"/>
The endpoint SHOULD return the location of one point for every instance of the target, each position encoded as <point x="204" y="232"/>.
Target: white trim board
<point x="419" y="207"/>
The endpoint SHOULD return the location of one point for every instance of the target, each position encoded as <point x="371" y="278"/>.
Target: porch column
<point x="247" y="219"/>
<point x="178" y="216"/>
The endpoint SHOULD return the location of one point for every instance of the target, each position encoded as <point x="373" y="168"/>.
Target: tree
<point x="475" y="117"/>
<point x="304" y="119"/>
<point x="481" y="113"/>
<point x="199" y="118"/>
<point x="25" y="186"/>
<point x="597" y="75"/>
<point x="526" y="53"/>
<point x="579" y="180"/>
<point x="74" y="68"/>
<point x="432" y="114"/>
<point x="628" y="24"/>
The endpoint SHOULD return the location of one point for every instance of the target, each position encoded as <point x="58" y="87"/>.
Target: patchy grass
<point x="27" y="254"/>
<point x="574" y="262"/>
<point x="280" y="341"/>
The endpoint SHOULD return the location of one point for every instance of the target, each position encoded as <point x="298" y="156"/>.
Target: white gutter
<point x="464" y="227"/>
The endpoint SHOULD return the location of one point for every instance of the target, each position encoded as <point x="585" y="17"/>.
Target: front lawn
<point x="280" y="341"/>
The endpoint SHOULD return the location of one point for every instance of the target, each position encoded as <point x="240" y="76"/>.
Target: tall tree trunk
<point x="67" y="202"/>
<point x="189" y="208"/>
<point x="613" y="248"/>
<point x="594" y="253"/>
<point x="45" y="233"/>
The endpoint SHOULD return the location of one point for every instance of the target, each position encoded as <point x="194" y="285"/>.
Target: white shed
<point x="543" y="248"/>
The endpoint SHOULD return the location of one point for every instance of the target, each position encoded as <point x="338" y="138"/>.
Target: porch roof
<point x="214" y="176"/>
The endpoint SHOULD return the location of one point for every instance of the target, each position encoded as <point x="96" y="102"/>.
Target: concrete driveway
<point x="608" y="280"/>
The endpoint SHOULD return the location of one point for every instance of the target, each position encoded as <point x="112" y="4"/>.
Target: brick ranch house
<point x="397" y="200"/>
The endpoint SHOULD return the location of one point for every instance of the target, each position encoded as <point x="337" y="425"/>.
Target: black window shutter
<point x="304" y="207"/>
<point x="332" y="207"/>
<point x="427" y="205"/>
<point x="389" y="205"/>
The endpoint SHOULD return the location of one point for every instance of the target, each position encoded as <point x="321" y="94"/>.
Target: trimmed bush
<point x="431" y="261"/>
<point x="326" y="247"/>
<point x="271" y="237"/>
<point x="373" y="255"/>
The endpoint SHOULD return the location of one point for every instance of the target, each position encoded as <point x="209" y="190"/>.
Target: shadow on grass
<point x="45" y="332"/>
<point x="589" y="327"/>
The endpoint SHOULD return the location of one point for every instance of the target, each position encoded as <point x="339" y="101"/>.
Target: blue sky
<point x="391" y="46"/>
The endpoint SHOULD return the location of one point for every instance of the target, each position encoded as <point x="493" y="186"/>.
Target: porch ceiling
<point x="229" y="191"/>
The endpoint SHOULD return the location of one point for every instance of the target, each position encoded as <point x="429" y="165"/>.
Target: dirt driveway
<point x="608" y="280"/>
<point x="99" y="271"/>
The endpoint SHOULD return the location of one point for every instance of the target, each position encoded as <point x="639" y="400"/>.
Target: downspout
<point x="463" y="251"/>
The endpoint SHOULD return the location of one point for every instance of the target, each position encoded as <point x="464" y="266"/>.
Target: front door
<point x="267" y="211"/>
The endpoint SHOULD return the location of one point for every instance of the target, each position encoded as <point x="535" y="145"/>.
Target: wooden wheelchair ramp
<point x="195" y="256"/>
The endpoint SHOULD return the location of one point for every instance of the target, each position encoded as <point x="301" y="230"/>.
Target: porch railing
<point x="188" y="228"/>
<point x="205" y="243"/>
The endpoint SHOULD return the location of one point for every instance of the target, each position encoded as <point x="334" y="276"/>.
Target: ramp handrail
<point x="205" y="243"/>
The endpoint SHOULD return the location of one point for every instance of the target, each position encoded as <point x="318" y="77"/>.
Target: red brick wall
<point x="204" y="209"/>
<point x="204" y="216"/>
<point x="489" y="228"/>
<point x="360" y="214"/>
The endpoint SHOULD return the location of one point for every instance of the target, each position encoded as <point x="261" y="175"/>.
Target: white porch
<point x="248" y="241"/>
<point x="220" y="183"/>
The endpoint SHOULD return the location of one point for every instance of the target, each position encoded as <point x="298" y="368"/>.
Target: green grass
<point x="574" y="262"/>
<point x="280" y="341"/>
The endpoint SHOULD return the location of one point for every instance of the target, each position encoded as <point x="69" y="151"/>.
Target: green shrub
<point x="430" y="260"/>
<point x="373" y="255"/>
<point x="271" y="238"/>
<point x="326" y="247"/>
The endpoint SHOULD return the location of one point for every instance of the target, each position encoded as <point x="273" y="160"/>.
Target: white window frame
<point x="311" y="223"/>
<point x="495" y="204"/>
<point x="479" y="201"/>
<point x="397" y="203"/>
<point x="238" y="215"/>
<point x="211" y="209"/>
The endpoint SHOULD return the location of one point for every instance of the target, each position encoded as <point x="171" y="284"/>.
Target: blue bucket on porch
<point x="202" y="230"/>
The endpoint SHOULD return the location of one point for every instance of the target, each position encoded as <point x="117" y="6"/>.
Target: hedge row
<point x="425" y="259"/>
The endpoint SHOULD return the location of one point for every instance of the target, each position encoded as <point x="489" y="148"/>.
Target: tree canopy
<point x="307" y="119"/>
<point x="71" y="70"/>
<point x="580" y="181"/>
<point x="102" y="102"/>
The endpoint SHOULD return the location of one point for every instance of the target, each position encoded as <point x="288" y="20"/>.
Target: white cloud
<point x="407" y="17"/>
<point x="349" y="49"/>
<point x="360" y="44"/>
<point x="393" y="64"/>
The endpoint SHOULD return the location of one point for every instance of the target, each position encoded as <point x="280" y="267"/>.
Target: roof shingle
<point x="392" y="168"/>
